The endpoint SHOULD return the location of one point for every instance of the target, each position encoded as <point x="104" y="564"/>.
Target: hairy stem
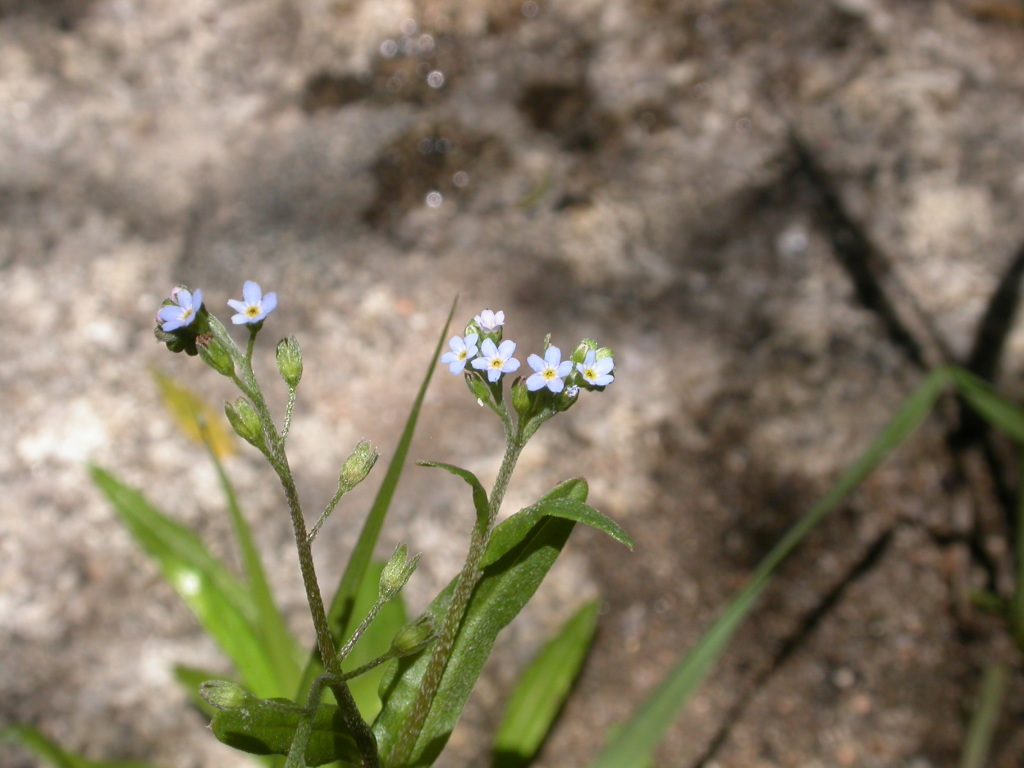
<point x="464" y="585"/>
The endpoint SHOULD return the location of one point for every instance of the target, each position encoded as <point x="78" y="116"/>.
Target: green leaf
<point x="632" y="745"/>
<point x="512" y="530"/>
<point x="541" y="691"/>
<point x="55" y="755"/>
<point x="986" y="717"/>
<point x="190" y="678"/>
<point x="222" y="605"/>
<point x="341" y="611"/>
<point x="267" y="727"/>
<point x="989" y="404"/>
<point x="279" y="644"/>
<point x="375" y="642"/>
<point x="505" y="587"/>
<point x="480" y="502"/>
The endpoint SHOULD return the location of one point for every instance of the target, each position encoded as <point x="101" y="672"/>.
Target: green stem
<point x="465" y="583"/>
<point x="288" y="415"/>
<point x="278" y="458"/>
<point x="364" y="738"/>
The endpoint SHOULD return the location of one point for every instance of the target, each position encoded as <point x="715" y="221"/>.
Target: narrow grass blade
<point x="223" y="606"/>
<point x="540" y="693"/>
<point x="56" y="756"/>
<point x="986" y="717"/>
<point x="340" y="612"/>
<point x="632" y="745"/>
<point x="989" y="404"/>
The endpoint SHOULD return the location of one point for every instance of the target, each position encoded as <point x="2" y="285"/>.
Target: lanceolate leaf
<point x="267" y="727"/>
<point x="480" y="502"/>
<point x="511" y="531"/>
<point x="537" y="698"/>
<point x="505" y="587"/>
<point x="222" y="605"/>
<point x="56" y="756"/>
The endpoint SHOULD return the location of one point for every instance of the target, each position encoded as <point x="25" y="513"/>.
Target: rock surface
<point x="777" y="214"/>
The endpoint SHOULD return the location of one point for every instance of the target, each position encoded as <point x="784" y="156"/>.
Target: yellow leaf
<point x="194" y="416"/>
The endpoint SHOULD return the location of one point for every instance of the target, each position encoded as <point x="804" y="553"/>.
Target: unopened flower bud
<point x="580" y="353"/>
<point x="214" y="355"/>
<point x="567" y="398"/>
<point x="246" y="422"/>
<point x="357" y="466"/>
<point x="520" y="398"/>
<point x="397" y="572"/>
<point x="478" y="387"/>
<point x="414" y="636"/>
<point x="289" y="361"/>
<point x="224" y="695"/>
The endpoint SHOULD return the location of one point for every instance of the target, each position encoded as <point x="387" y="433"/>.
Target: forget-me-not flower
<point x="462" y="351"/>
<point x="596" y="372"/>
<point x="549" y="371"/>
<point x="180" y="314"/>
<point x="254" y="305"/>
<point x="496" y="360"/>
<point x="490" y="321"/>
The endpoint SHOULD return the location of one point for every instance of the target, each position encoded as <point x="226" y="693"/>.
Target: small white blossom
<point x="462" y="351"/>
<point x="496" y="360"/>
<point x="596" y="372"/>
<point x="549" y="370"/>
<point x="490" y="321"/>
<point x="254" y="306"/>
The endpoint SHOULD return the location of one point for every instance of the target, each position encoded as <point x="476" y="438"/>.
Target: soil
<point x="780" y="215"/>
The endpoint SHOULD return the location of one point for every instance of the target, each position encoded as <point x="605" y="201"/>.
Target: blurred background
<point x="779" y="214"/>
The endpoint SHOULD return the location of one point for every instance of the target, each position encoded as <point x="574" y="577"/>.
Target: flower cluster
<point x="588" y="366"/>
<point x="184" y="324"/>
<point x="184" y="305"/>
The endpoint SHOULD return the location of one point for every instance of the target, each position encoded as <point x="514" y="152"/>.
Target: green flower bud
<point x="289" y="361"/>
<point x="214" y="355"/>
<point x="580" y="353"/>
<point x="224" y="695"/>
<point x="604" y="352"/>
<point x="397" y="572"/>
<point x="357" y="466"/>
<point x="567" y="398"/>
<point x="246" y="422"/>
<point x="479" y="388"/>
<point x="414" y="636"/>
<point x="521" y="400"/>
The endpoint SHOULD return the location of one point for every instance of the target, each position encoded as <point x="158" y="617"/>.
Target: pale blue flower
<point x="462" y="351"/>
<point x="596" y="372"/>
<point x="180" y="314"/>
<point x="489" y="321"/>
<point x="254" y="305"/>
<point x="496" y="360"/>
<point x="549" y="371"/>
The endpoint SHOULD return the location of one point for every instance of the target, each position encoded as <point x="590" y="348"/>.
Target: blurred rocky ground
<point x="778" y="214"/>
